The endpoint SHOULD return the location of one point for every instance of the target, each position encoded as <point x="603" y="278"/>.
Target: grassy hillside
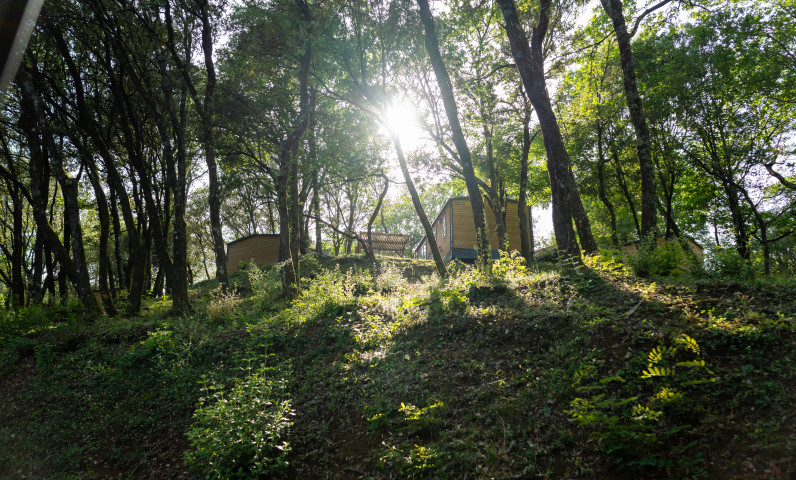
<point x="394" y="374"/>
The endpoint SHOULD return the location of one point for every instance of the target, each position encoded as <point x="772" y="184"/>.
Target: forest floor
<point x="520" y="374"/>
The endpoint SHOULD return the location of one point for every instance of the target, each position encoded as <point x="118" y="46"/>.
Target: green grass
<point x="401" y="375"/>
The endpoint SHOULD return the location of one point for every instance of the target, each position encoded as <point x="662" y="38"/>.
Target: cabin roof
<point x="267" y="235"/>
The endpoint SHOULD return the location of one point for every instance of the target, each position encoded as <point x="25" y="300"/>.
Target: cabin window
<point x="423" y="251"/>
<point x="444" y="226"/>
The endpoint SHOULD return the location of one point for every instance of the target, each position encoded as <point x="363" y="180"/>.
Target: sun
<point x="401" y="118"/>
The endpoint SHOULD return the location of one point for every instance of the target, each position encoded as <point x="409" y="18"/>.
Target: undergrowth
<point x="526" y="372"/>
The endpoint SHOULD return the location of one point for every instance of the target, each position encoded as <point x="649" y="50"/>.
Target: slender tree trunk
<point x="17" y="254"/>
<point x="63" y="276"/>
<point x="763" y="227"/>
<point x="369" y="244"/>
<point x="465" y="160"/>
<point x="620" y="180"/>
<point x="496" y="203"/>
<point x="353" y="201"/>
<point x="522" y="207"/>
<point x="421" y="214"/>
<point x="601" y="160"/>
<point x="176" y="174"/>
<point x="37" y="130"/>
<point x="213" y="197"/>
<point x="104" y="220"/>
<point x="123" y="280"/>
<point x="613" y="8"/>
<point x="36" y="285"/>
<point x="530" y="63"/>
<point x="738" y="221"/>
<point x="290" y="230"/>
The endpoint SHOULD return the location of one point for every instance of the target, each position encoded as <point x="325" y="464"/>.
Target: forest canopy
<point x="138" y="138"/>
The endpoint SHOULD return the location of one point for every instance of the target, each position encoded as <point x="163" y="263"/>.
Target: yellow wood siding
<point x="263" y="250"/>
<point x="464" y="225"/>
<point x="443" y="242"/>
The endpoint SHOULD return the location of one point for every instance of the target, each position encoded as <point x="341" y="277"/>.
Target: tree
<point x="529" y="59"/>
<point x="448" y="99"/>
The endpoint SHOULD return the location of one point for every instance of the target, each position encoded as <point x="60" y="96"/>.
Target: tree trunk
<point x="122" y="280"/>
<point x="601" y="160"/>
<point x="104" y="220"/>
<point x="36" y="128"/>
<point x="368" y="248"/>
<point x="620" y="180"/>
<point x="522" y="208"/>
<point x="176" y="174"/>
<point x="465" y="160"/>
<point x="291" y="227"/>
<point x="738" y="221"/>
<point x="530" y="63"/>
<point x="213" y="196"/>
<point x="495" y="202"/>
<point x="613" y="8"/>
<point x="421" y="214"/>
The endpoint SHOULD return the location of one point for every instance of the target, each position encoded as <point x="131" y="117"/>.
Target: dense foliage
<point x="528" y="372"/>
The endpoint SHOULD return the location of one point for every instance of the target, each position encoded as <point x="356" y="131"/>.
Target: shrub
<point x="223" y="305"/>
<point x="389" y="279"/>
<point x="329" y="293"/>
<point x="266" y="287"/>
<point x="510" y="266"/>
<point x="241" y="432"/>
<point x="727" y="263"/>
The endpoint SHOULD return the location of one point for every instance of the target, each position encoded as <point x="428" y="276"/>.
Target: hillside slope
<point x="518" y="374"/>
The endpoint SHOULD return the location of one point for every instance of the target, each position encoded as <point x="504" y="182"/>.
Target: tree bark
<point x="17" y="254"/>
<point x="622" y="182"/>
<point x="213" y="197"/>
<point x="369" y="246"/>
<point x="421" y="213"/>
<point x="465" y="160"/>
<point x="522" y="208"/>
<point x="176" y="174"/>
<point x="530" y="63"/>
<point x="495" y="200"/>
<point x="290" y="230"/>
<point x="34" y="124"/>
<point x="613" y="8"/>
<point x="601" y="161"/>
<point x="104" y="220"/>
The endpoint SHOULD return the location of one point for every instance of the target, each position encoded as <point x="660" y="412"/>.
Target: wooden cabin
<point x="454" y="230"/>
<point x="630" y="249"/>
<point x="260" y="248"/>
<point x="385" y="243"/>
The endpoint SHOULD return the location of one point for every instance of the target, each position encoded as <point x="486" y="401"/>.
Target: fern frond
<point x="689" y="343"/>
<point x="693" y="363"/>
<point x="657" y="354"/>
<point x="654" y="371"/>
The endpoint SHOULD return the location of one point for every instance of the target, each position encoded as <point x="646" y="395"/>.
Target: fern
<point x="657" y="354"/>
<point x="689" y="343"/>
<point x="653" y="371"/>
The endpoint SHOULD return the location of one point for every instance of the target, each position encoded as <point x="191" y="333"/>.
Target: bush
<point x="223" y="305"/>
<point x="329" y="293"/>
<point x="510" y="266"/>
<point x="241" y="432"/>
<point x="266" y="287"/>
<point x="727" y="263"/>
